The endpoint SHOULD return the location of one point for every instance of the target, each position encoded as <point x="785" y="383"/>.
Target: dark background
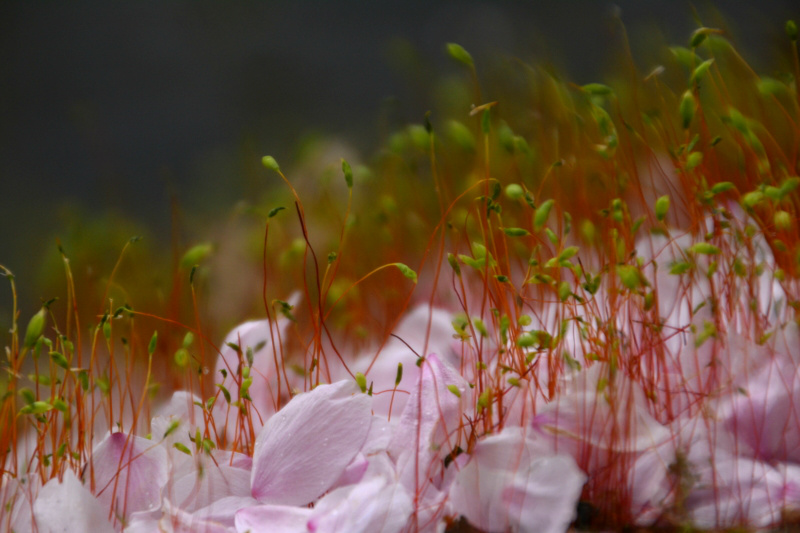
<point x="116" y="106"/>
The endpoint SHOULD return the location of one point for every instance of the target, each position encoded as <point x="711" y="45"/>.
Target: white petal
<point x="305" y="447"/>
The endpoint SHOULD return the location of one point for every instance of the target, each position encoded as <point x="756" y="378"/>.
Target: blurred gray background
<point x="117" y="106"/>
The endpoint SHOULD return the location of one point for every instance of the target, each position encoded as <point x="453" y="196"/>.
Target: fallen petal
<point x="129" y="471"/>
<point x="69" y="507"/>
<point x="304" y="448"/>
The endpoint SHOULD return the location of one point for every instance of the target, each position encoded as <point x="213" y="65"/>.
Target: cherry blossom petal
<point x="223" y="511"/>
<point x="583" y="416"/>
<point x="256" y="336"/>
<point x="272" y="519"/>
<point x="354" y="472"/>
<point x="543" y="498"/>
<point x="380" y="434"/>
<point x="130" y="471"/>
<point x="764" y="414"/>
<point x="69" y="507"/>
<point x="435" y="409"/>
<point x="202" y="487"/>
<point x="372" y="506"/>
<point x="16" y="502"/>
<point x="411" y="330"/>
<point x="305" y="447"/>
<point x="736" y="491"/>
<point x="176" y="520"/>
<point x="509" y="484"/>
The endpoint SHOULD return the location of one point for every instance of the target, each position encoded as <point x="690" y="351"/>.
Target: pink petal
<point x="304" y="448"/>
<point x="223" y="511"/>
<point x="733" y="491"/>
<point x="16" y="501"/>
<point x="202" y="488"/>
<point x="272" y="519"/>
<point x="582" y="417"/>
<point x="353" y="473"/>
<point x="129" y="470"/>
<point x="372" y="506"/>
<point x="182" y="406"/>
<point x="69" y="507"/>
<point x="380" y="434"/>
<point x="437" y="411"/>
<point x="178" y="521"/>
<point x="509" y="484"/>
<point x="412" y="332"/>
<point x="765" y="414"/>
<point x="544" y="496"/>
<point x="256" y="335"/>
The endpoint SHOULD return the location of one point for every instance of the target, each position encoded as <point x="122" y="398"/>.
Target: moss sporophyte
<point x="577" y="303"/>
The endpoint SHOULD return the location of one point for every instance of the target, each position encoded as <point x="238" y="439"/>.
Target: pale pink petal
<point x="480" y="479"/>
<point x="430" y="422"/>
<point x="475" y="495"/>
<point x="182" y="409"/>
<point x="651" y="483"/>
<point x="272" y="519"/>
<point x="256" y="336"/>
<point x="234" y="459"/>
<point x="582" y="417"/>
<point x="372" y="506"/>
<point x="216" y="518"/>
<point x="69" y="507"/>
<point x="128" y="470"/>
<point x="223" y="511"/>
<point x="509" y="484"/>
<point x="764" y="414"/>
<point x="736" y="491"/>
<point x="543" y="498"/>
<point x="176" y="520"/>
<point x="202" y="487"/>
<point x="181" y="406"/>
<point x="142" y="523"/>
<point x="411" y="330"/>
<point x="353" y="473"/>
<point x="380" y="434"/>
<point x="16" y="502"/>
<point x="305" y="447"/>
